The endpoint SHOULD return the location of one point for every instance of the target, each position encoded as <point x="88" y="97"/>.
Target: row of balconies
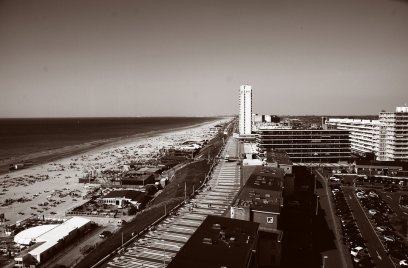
<point x="317" y="144"/>
<point x="302" y="132"/>
<point x="358" y="128"/>
<point x="356" y="138"/>
<point x="303" y="138"/>
<point x="298" y="156"/>
<point x="291" y="149"/>
<point x="359" y="145"/>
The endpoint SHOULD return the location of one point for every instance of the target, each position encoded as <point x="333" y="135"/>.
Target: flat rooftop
<point x="128" y="194"/>
<point x="263" y="190"/>
<point x="279" y="157"/>
<point x="218" y="242"/>
<point x="379" y="164"/>
<point x="266" y="178"/>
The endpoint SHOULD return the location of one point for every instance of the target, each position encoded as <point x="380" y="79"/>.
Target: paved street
<point x="336" y="256"/>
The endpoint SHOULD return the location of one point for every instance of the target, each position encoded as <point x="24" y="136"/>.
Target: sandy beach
<point x="49" y="189"/>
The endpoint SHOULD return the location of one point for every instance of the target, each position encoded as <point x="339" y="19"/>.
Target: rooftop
<point x="280" y="157"/>
<point x="266" y="178"/>
<point x="52" y="237"/>
<point x="218" y="242"/>
<point x="263" y="190"/>
<point x="385" y="164"/>
<point x="128" y="194"/>
<point x="26" y="237"/>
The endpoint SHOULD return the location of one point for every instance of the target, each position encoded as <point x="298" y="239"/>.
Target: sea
<point x="19" y="137"/>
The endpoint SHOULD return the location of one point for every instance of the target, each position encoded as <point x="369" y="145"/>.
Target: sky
<point x="86" y="58"/>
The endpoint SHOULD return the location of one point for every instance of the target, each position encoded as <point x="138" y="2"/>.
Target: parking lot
<point x="158" y="246"/>
<point x="352" y="230"/>
<point x="371" y="238"/>
<point x="380" y="214"/>
<point x="367" y="230"/>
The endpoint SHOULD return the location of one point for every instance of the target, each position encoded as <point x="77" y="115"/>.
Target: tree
<point x="132" y="210"/>
<point x="151" y="189"/>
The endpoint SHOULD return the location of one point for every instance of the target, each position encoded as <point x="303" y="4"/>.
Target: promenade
<point x="158" y="246"/>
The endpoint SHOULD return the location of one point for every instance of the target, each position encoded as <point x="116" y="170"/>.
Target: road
<point x="72" y="254"/>
<point x="336" y="257"/>
<point x="374" y="245"/>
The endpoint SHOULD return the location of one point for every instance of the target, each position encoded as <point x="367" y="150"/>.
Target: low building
<point x="132" y="179"/>
<point x="48" y="240"/>
<point x="122" y="198"/>
<point x="171" y="157"/>
<point x="250" y="155"/>
<point x="369" y="167"/>
<point x="220" y="242"/>
<point x="148" y="170"/>
<point x="261" y="201"/>
<point x="279" y="159"/>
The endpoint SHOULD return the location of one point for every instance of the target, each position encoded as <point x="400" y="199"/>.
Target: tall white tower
<point x="245" y="110"/>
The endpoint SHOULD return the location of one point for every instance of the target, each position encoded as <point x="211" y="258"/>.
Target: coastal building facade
<point x="386" y="137"/>
<point x="245" y="110"/>
<point x="306" y="145"/>
<point x="363" y="133"/>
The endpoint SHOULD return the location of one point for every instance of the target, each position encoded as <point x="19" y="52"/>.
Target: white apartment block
<point x="363" y="133"/>
<point x="245" y="110"/>
<point x="387" y="137"/>
<point x="393" y="135"/>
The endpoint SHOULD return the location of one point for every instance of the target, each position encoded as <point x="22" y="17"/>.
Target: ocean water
<point x="20" y="137"/>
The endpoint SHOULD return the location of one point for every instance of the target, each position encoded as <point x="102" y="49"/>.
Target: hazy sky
<point x="188" y="58"/>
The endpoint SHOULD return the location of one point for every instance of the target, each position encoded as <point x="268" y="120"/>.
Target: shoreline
<point x="28" y="188"/>
<point x="43" y="157"/>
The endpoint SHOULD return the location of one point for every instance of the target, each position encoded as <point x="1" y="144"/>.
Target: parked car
<point x="105" y="234"/>
<point x="389" y="238"/>
<point x="356" y="250"/>
<point x="382" y="228"/>
<point x="373" y="194"/>
<point x="373" y="211"/>
<point x="403" y="263"/>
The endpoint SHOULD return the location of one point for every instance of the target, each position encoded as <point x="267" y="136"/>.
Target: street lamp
<point x="164" y="253"/>
<point x="324" y="260"/>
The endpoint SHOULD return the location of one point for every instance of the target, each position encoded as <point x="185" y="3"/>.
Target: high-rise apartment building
<point x="245" y="110"/>
<point x="386" y="137"/>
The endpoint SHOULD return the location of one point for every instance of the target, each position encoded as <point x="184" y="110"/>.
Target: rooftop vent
<point x="216" y="226"/>
<point x="207" y="240"/>
<point x="222" y="235"/>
